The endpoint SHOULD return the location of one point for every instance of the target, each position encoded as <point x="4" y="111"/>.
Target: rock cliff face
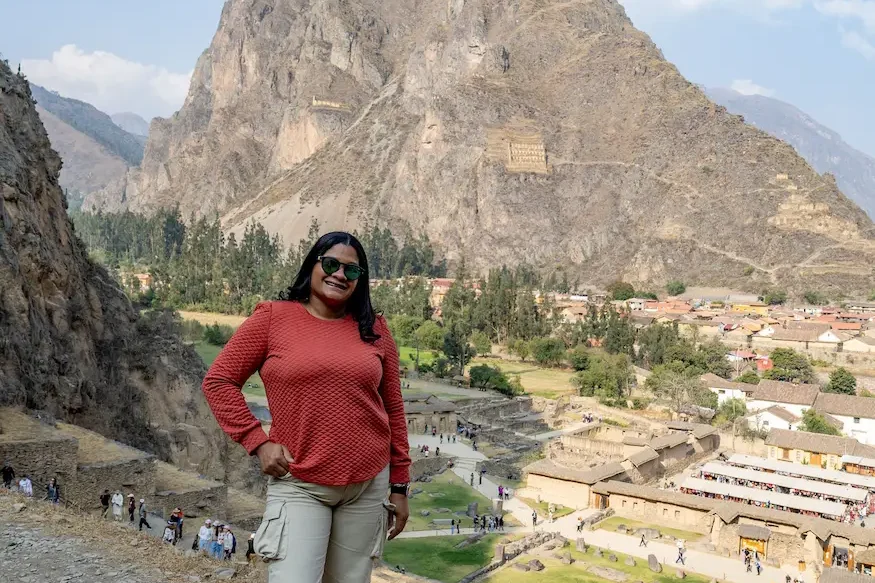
<point x="553" y="133"/>
<point x="70" y="342"/>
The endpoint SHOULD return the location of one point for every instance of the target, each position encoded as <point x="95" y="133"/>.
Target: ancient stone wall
<point x="209" y="502"/>
<point x="428" y="466"/>
<point x="585" y="445"/>
<point x="500" y="469"/>
<point x="136" y="476"/>
<point x="42" y="460"/>
<point x="661" y="513"/>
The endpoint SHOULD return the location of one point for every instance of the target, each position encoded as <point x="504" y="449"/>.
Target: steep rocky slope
<point x="548" y="132"/>
<point x="70" y="342"/>
<point x="822" y="147"/>
<point x="131" y="123"/>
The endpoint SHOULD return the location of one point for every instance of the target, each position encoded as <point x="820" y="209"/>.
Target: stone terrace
<point x="36" y="449"/>
<point x="197" y="496"/>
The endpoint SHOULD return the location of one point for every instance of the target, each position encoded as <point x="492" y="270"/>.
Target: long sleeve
<point x="241" y="358"/>
<point x="390" y="390"/>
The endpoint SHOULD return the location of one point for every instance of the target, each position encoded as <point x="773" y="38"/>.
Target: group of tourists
<point x="448" y="438"/>
<point x="488" y="523"/>
<point x="424" y="450"/>
<point x="25" y="484"/>
<point x="752" y="561"/>
<point x="218" y="541"/>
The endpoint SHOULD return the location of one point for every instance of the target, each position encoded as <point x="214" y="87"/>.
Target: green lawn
<point x="408" y="356"/>
<point x="543" y="508"/>
<point x="613" y="522"/>
<point x="543" y="382"/>
<point x="437" y="558"/>
<point x="556" y="572"/>
<point x="209" y="352"/>
<point x="452" y="493"/>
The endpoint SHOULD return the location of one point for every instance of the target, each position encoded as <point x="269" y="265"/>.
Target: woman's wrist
<point x="399" y="488"/>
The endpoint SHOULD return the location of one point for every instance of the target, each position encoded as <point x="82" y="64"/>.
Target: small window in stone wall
<point x="665" y="511"/>
<point x="677" y="514"/>
<point x="624" y="503"/>
<point x="798" y="455"/>
<point x="634" y="506"/>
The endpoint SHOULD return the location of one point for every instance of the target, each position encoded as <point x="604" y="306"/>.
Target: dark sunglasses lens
<point x="352" y="272"/>
<point x="330" y="265"/>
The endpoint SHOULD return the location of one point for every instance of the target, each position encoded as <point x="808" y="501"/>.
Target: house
<point x="863" y="344"/>
<point x="775" y="417"/>
<point x="826" y="451"/>
<point x="856" y="414"/>
<point x="429" y="411"/>
<point x="757" y="308"/>
<point x="568" y="486"/>
<point x="833" y="336"/>
<point x="861" y="307"/>
<point x="726" y="389"/>
<point x="636" y="304"/>
<point x="795" y="398"/>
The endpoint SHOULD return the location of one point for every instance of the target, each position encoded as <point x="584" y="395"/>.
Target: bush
<point x="490" y="377"/>
<point x="774" y="297"/>
<point x="620" y="290"/>
<point x="841" y="381"/>
<point x="192" y="330"/>
<point x="217" y="334"/>
<point x="675" y="288"/>
<point x="749" y="377"/>
<point x="639" y="403"/>
<point x="748" y="270"/>
<point x="441" y="368"/>
<point x="547" y="351"/>
<point x="481" y="343"/>
<point x="578" y="358"/>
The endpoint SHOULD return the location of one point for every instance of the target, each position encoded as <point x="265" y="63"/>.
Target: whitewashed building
<point x="856" y="414"/>
<point x="792" y="397"/>
<point x="726" y="389"/>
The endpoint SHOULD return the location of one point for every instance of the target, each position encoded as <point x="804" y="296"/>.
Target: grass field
<point x="210" y="318"/>
<point x="446" y="490"/>
<point x="543" y="508"/>
<point x="209" y="352"/>
<point x="437" y="558"/>
<point x="408" y="356"/>
<point x="613" y="522"/>
<point x="543" y="382"/>
<point x="577" y="572"/>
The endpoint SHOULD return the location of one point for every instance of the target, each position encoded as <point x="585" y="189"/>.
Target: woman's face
<point x="334" y="289"/>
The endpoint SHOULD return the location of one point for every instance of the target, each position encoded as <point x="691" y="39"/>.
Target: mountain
<point x="94" y="150"/>
<point x="823" y="148"/>
<point x="554" y="134"/>
<point x="131" y="123"/>
<point x="71" y="344"/>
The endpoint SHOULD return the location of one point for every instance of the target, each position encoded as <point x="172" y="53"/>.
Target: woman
<point x="338" y="438"/>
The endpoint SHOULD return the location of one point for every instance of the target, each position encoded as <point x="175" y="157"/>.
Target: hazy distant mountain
<point x="94" y="150"/>
<point x="823" y="148"/>
<point x="131" y="123"/>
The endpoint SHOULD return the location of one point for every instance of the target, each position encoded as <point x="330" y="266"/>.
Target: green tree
<point x="815" y="298"/>
<point x="678" y="388"/>
<point x="456" y="348"/>
<point x="481" y="342"/>
<point x="774" y="297"/>
<point x="621" y="291"/>
<point x="429" y="336"/>
<point x="619" y="333"/>
<point x="403" y="328"/>
<point x="491" y="377"/>
<point x="750" y="377"/>
<point x="789" y="366"/>
<point x="813" y="422"/>
<point x="654" y="341"/>
<point x="732" y="409"/>
<point x="547" y="351"/>
<point x="521" y="348"/>
<point x="675" y="288"/>
<point x="217" y="334"/>
<point x="608" y="377"/>
<point x="578" y="358"/>
<point x="841" y="381"/>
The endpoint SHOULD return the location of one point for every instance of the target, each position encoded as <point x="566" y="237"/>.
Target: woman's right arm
<point x="240" y="359"/>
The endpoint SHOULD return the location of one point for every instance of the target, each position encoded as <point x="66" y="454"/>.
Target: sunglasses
<point x="350" y="270"/>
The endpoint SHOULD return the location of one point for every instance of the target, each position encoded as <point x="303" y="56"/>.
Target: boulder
<point x="521" y="567"/>
<point x="416" y="491"/>
<point x="563" y="542"/>
<point x="566" y="558"/>
<point x="224" y="573"/>
<point x="681" y="574"/>
<point x="18" y="507"/>
<point x="653" y="564"/>
<point x="425" y="513"/>
<point x="629" y="562"/>
<point x="608" y="573"/>
<point x="536" y="565"/>
<point x="612" y="558"/>
<point x="580" y="545"/>
<point x="443" y="511"/>
<point x="597" y="552"/>
<point x="472" y="509"/>
<point x="622" y="528"/>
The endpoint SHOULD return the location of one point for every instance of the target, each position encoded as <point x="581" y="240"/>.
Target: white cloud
<point x="855" y="41"/>
<point x="748" y="87"/>
<point x="756" y="7"/>
<point x="109" y="82"/>
<point x="864" y="10"/>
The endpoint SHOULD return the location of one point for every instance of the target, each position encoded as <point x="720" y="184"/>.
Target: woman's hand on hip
<point x="274" y="458"/>
<point x="398" y="520"/>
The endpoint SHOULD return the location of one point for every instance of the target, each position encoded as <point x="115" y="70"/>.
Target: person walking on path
<point x="759" y="567"/>
<point x="534" y="519"/>
<point x="453" y="526"/>
<point x="53" y="491"/>
<point x="250" y="549"/>
<point x="680" y="558"/>
<point x="205" y="536"/>
<point x="472" y="479"/>
<point x="643" y="542"/>
<point x="338" y="453"/>
<point x="143" y="515"/>
<point x="104" y="503"/>
<point x="117" y="502"/>
<point x="501" y="523"/>
<point x="229" y="543"/>
<point x="580" y="524"/>
<point x="500" y="492"/>
<point x="8" y="475"/>
<point x="25" y="486"/>
<point x="132" y="506"/>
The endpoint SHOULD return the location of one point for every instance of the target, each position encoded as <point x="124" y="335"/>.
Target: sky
<point x="133" y="55"/>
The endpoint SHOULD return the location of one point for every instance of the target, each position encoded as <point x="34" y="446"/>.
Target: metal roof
<point x="833" y="490"/>
<point x="821" y="507"/>
<point x="857" y="460"/>
<point x="805" y="471"/>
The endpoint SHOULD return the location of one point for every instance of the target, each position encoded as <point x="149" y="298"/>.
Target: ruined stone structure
<point x="328" y="105"/>
<point x="518" y="145"/>
<point x="431" y="412"/>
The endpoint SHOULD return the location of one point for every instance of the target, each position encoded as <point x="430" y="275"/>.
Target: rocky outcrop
<point x="71" y="345"/>
<point x="547" y="133"/>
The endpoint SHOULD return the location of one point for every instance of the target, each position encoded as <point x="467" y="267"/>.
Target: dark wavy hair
<point x="359" y="304"/>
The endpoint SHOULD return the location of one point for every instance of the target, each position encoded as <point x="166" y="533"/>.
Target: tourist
<point x="426" y="429"/>
<point x="176" y="520"/>
<point x="442" y="438"/>
<point x="338" y="440"/>
<point x="501" y="523"/>
<point x="8" y="475"/>
<point x="250" y="549"/>
<point x="220" y="542"/>
<point x="433" y="431"/>
<point x="25" y="486"/>
<point x="500" y="492"/>
<point x="787" y="579"/>
<point x="205" y="536"/>
<point x="474" y="445"/>
<point x="680" y="558"/>
<point x="53" y="491"/>
<point x="454" y="438"/>
<point x="580" y="525"/>
<point x="480" y="478"/>
<point x="643" y="542"/>
<point x="230" y="543"/>
<point x="143" y="515"/>
<point x="550" y="516"/>
<point x="169" y="533"/>
<point x="104" y="503"/>
<point x="534" y="518"/>
<point x="117" y="502"/>
<point x="453" y="526"/>
<point x="759" y="567"/>
<point x="132" y="506"/>
<point x="507" y="493"/>
<point x="472" y="479"/>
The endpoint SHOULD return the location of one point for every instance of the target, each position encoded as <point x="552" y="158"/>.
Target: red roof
<point x="846" y="326"/>
<point x="764" y="364"/>
<point x="744" y="354"/>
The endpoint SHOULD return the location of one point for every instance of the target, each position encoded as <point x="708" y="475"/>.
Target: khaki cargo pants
<point x="323" y="534"/>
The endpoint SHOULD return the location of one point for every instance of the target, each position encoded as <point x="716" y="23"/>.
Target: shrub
<point x="675" y="288"/>
<point x="192" y="330"/>
<point x="578" y="358"/>
<point x="620" y="290"/>
<point x="547" y="351"/>
<point x="218" y="334"/>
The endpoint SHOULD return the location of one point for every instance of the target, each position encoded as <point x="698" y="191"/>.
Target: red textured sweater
<point x="335" y="400"/>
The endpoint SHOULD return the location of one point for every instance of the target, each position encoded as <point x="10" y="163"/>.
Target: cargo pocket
<point x="270" y="540"/>
<point x="382" y="527"/>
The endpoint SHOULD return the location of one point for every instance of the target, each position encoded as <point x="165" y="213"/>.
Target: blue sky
<point x="131" y="55"/>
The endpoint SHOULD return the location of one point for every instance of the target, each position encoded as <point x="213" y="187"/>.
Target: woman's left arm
<point x="390" y="390"/>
